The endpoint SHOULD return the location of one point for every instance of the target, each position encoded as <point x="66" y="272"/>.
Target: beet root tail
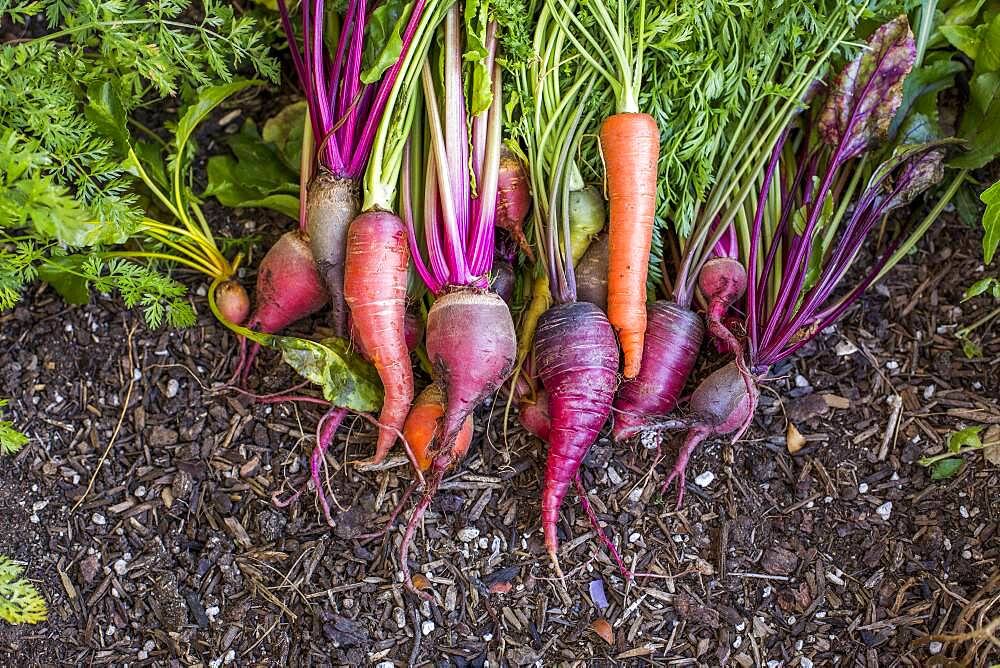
<point x="695" y="435"/>
<point x="594" y="522"/>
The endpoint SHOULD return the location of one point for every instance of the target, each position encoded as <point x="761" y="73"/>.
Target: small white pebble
<point x="821" y="614"/>
<point x="635" y="495"/>
<point x="35" y="519"/>
<point x="801" y="381"/>
<point x="140" y="492"/>
<point x="173" y="387"/>
<point x="487" y="637"/>
<point x="892" y="365"/>
<point x="148" y="646"/>
<point x="483" y="543"/>
<point x="827" y="499"/>
<point x="634" y="537"/>
<point x="741" y="627"/>
<point x="99" y="519"/>
<point x="845" y="348"/>
<point x="427" y="627"/>
<point x="767" y="591"/>
<point x="201" y="291"/>
<point x="705" y="479"/>
<point x="863" y="488"/>
<point x="805" y="662"/>
<point x="468" y="534"/>
<point x="737" y="642"/>
<point x="121" y="567"/>
<point x="649" y="439"/>
<point x="111" y="629"/>
<point x="966" y="554"/>
<point x="69" y="327"/>
<point x="212" y="612"/>
<point x="947" y="543"/>
<point x="929" y="391"/>
<point x="885" y="510"/>
<point x="773" y="663"/>
<point x="614" y="476"/>
<point x="230" y="657"/>
<point x="38" y="505"/>
<point x="791" y="620"/>
<point x="137" y="374"/>
<point x="386" y="664"/>
<point x="935" y="647"/>
<point x="962" y="510"/>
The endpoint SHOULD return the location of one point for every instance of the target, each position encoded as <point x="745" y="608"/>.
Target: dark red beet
<point x="724" y="280"/>
<point x="471" y="346"/>
<point x="502" y="279"/>
<point x="534" y="414"/>
<point x="288" y="289"/>
<point x="673" y="338"/>
<point x="576" y="356"/>
<point x="721" y="405"/>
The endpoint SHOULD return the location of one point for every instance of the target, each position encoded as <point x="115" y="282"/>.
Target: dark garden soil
<point x="843" y="553"/>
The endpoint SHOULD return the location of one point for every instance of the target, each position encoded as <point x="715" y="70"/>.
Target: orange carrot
<point x="375" y="276"/>
<point x="630" y="143"/>
<point x="423" y="424"/>
<point x="423" y="432"/>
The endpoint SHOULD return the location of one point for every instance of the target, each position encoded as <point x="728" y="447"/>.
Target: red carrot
<point x="375" y="290"/>
<point x="673" y="338"/>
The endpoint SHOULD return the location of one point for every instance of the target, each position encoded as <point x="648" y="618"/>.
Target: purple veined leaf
<point x="918" y="176"/>
<point x="867" y="93"/>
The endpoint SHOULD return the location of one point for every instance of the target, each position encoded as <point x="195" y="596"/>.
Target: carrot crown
<point x="612" y="45"/>
<point x="460" y="146"/>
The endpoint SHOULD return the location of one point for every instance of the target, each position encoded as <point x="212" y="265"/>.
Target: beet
<point x="471" y="346"/>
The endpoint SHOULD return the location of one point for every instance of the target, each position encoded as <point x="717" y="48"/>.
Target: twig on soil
<point x="118" y="427"/>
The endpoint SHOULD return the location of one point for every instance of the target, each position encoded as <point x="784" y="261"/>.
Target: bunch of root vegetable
<point x="420" y="131"/>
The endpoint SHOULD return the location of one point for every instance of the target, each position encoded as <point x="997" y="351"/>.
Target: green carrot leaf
<point x="11" y="440"/>
<point x="20" y="602"/>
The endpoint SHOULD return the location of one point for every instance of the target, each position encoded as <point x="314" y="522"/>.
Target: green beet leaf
<point x="346" y="379"/>
<point x="991" y="221"/>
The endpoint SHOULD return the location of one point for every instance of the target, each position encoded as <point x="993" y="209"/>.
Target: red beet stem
<point x="673" y="337"/>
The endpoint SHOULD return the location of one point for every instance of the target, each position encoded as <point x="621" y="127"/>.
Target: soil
<point x="843" y="553"/>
